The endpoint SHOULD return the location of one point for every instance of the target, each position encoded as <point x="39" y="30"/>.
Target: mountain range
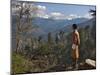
<point x="50" y="25"/>
<point x="43" y="26"/>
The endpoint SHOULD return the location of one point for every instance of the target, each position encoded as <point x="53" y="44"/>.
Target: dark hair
<point x="74" y="26"/>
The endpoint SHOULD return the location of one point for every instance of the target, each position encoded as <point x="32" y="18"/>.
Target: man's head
<point x="74" y="26"/>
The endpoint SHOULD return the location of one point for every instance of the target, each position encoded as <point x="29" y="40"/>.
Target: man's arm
<point x="78" y="37"/>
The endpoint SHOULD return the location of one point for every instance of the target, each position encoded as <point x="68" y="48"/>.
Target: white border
<point x="5" y="37"/>
<point x="85" y="2"/>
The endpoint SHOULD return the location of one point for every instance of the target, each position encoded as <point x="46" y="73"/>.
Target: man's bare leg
<point x="76" y="64"/>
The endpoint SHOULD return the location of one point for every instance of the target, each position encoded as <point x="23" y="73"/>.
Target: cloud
<point x="40" y="11"/>
<point x="46" y="16"/>
<point x="41" y="7"/>
<point x="73" y="16"/>
<point x="57" y="15"/>
<point x="88" y="16"/>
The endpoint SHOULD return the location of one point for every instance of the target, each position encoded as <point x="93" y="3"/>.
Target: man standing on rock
<point x="75" y="45"/>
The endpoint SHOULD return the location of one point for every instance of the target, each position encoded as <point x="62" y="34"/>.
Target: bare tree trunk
<point x="17" y="44"/>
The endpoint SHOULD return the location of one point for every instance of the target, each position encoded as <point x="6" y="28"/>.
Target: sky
<point x="62" y="11"/>
<point x="66" y="8"/>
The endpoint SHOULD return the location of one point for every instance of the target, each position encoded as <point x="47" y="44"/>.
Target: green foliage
<point x="45" y="49"/>
<point x="50" y="53"/>
<point x="88" y="44"/>
<point x="20" y="64"/>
